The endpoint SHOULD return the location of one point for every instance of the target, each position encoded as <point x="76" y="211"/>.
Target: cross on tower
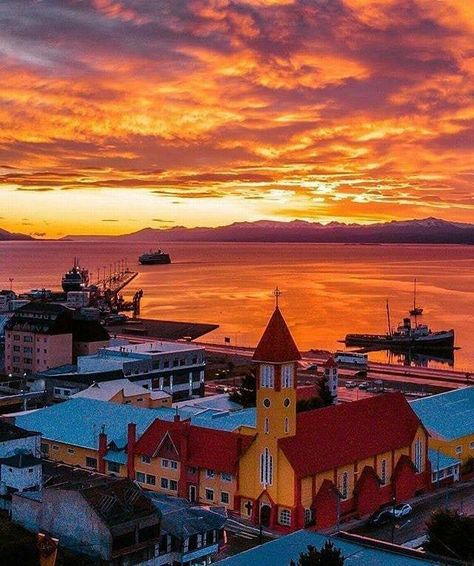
<point x="277" y="294"/>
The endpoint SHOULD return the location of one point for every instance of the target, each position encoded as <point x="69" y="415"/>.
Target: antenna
<point x="388" y="320"/>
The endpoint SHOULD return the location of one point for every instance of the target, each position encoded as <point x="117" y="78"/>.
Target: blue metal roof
<point x="444" y="461"/>
<point x="284" y="549"/>
<point x="449" y="415"/>
<point x="117" y="456"/>
<point x="79" y="421"/>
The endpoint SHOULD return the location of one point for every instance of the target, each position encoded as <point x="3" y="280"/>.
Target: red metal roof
<point x="341" y="434"/>
<point x="276" y="344"/>
<point x="217" y="450"/>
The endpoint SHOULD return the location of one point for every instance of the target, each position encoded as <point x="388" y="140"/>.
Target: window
<point x="209" y="494"/>
<point x="287" y="425"/>
<point x="287" y="376"/>
<point x="173" y="485"/>
<point x="173" y="465"/>
<point x="175" y="362"/>
<point x="55" y="447"/>
<point x="210" y="473"/>
<point x="164" y="482"/>
<point x="27" y="350"/>
<point x="471" y="445"/>
<point x="70" y="450"/>
<point x="383" y="472"/>
<point x="458" y="449"/>
<point x="57" y="391"/>
<point x="16" y="337"/>
<point x="146" y="459"/>
<point x="225" y="497"/>
<point x="226" y="477"/>
<point x="308" y="517"/>
<point x="16" y="348"/>
<point x="267" y="376"/>
<point x="91" y="463"/>
<point x="27" y="339"/>
<point x="284" y="517"/>
<point x="141" y="477"/>
<point x="345" y="485"/>
<point x="166" y="364"/>
<point x="266" y="468"/>
<point x="266" y="425"/>
<point x="419" y="455"/>
<point x="113" y="467"/>
<point x="44" y="449"/>
<point x="194" y="360"/>
<point x="151" y="480"/>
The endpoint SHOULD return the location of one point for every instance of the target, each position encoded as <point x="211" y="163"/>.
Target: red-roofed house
<point x="198" y="463"/>
<point x="345" y="459"/>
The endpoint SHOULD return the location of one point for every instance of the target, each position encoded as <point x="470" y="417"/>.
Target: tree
<point x="450" y="534"/>
<point x="246" y="393"/>
<point x="329" y="555"/>
<point x="325" y="393"/>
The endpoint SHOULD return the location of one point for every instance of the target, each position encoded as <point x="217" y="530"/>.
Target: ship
<point x="407" y="335"/>
<point x="154" y="258"/>
<point x="415" y="311"/>
<point x="76" y="279"/>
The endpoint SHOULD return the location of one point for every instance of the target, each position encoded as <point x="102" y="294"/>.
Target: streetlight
<point x="11" y="283"/>
<point x="394" y="500"/>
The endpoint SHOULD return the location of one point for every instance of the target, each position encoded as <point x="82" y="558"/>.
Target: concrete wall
<point x="29" y="444"/>
<point x="21" y="478"/>
<point x="26" y="512"/>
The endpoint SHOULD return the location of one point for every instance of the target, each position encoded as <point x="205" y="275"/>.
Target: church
<point x="326" y="465"/>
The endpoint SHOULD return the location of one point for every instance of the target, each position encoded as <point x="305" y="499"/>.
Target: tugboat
<point x="417" y="336"/>
<point x="76" y="279"/>
<point x="415" y="311"/>
<point x="154" y="258"/>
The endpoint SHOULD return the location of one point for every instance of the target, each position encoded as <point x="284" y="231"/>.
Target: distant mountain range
<point x="426" y="231"/>
<point x="6" y="235"/>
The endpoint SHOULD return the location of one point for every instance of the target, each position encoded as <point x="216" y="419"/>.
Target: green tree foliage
<point x="329" y="555"/>
<point x="450" y="534"/>
<point x="246" y="393"/>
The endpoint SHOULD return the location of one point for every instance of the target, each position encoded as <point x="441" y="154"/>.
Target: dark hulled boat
<point x="154" y="258"/>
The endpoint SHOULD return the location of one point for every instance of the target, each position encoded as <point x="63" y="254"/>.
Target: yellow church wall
<point x="307" y="491"/>
<point x="286" y="483"/>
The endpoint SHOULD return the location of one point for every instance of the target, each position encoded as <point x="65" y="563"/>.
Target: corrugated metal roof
<point x="287" y="548"/>
<point x="440" y="461"/>
<point x="79" y="421"/>
<point x="449" y="415"/>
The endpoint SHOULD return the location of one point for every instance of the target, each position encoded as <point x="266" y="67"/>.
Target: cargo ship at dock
<point x="406" y="336"/>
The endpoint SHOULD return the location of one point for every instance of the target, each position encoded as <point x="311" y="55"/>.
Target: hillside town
<point x="123" y="450"/>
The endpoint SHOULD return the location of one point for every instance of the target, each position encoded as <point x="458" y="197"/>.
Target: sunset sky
<point x="115" y="115"/>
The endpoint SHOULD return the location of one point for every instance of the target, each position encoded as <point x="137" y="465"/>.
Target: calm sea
<point x="328" y="290"/>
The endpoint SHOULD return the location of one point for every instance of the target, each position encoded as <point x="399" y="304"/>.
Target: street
<point x="459" y="498"/>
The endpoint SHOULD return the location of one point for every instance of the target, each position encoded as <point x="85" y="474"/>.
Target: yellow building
<point x="449" y="419"/>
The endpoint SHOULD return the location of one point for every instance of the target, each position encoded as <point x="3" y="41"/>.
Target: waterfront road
<point x="459" y="498"/>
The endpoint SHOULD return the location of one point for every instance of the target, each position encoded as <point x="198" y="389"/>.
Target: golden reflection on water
<point x="328" y="290"/>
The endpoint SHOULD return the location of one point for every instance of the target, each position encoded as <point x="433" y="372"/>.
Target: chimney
<point x="102" y="451"/>
<point x="131" y="439"/>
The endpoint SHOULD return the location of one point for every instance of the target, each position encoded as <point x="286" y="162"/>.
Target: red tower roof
<point x="277" y="344"/>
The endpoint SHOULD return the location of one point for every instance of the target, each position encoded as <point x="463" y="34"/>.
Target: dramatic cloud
<point x="348" y="109"/>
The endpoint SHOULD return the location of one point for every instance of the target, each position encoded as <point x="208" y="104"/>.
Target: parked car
<point x="401" y="510"/>
<point x="350" y="384"/>
<point x="312" y="367"/>
<point x="364" y="385"/>
<point x="380" y="517"/>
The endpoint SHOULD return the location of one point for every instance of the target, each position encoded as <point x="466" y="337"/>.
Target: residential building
<point x="190" y="534"/>
<point x="445" y="470"/>
<point x="6" y="296"/>
<point x="358" y="551"/>
<point x="43" y="335"/>
<point x="175" y="367"/>
<point x="20" y="466"/>
<point x="125" y="392"/>
<point x="103" y="518"/>
<point x="449" y="418"/>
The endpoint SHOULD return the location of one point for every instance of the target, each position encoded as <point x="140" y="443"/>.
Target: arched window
<point x="287" y="376"/>
<point x="267" y="376"/>
<point x="345" y="485"/>
<point x="266" y="425"/>
<point x="419" y="455"/>
<point x="266" y="468"/>
<point x="308" y="517"/>
<point x="287" y="425"/>
<point x="383" y="471"/>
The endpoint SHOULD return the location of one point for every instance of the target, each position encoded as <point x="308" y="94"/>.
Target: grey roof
<point x="182" y="519"/>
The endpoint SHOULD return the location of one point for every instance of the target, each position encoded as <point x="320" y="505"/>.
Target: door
<point x="192" y="493"/>
<point x="265" y="511"/>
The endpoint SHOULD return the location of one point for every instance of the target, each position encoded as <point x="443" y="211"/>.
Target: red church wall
<point x="368" y="495"/>
<point x="325" y="504"/>
<point x="405" y="479"/>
